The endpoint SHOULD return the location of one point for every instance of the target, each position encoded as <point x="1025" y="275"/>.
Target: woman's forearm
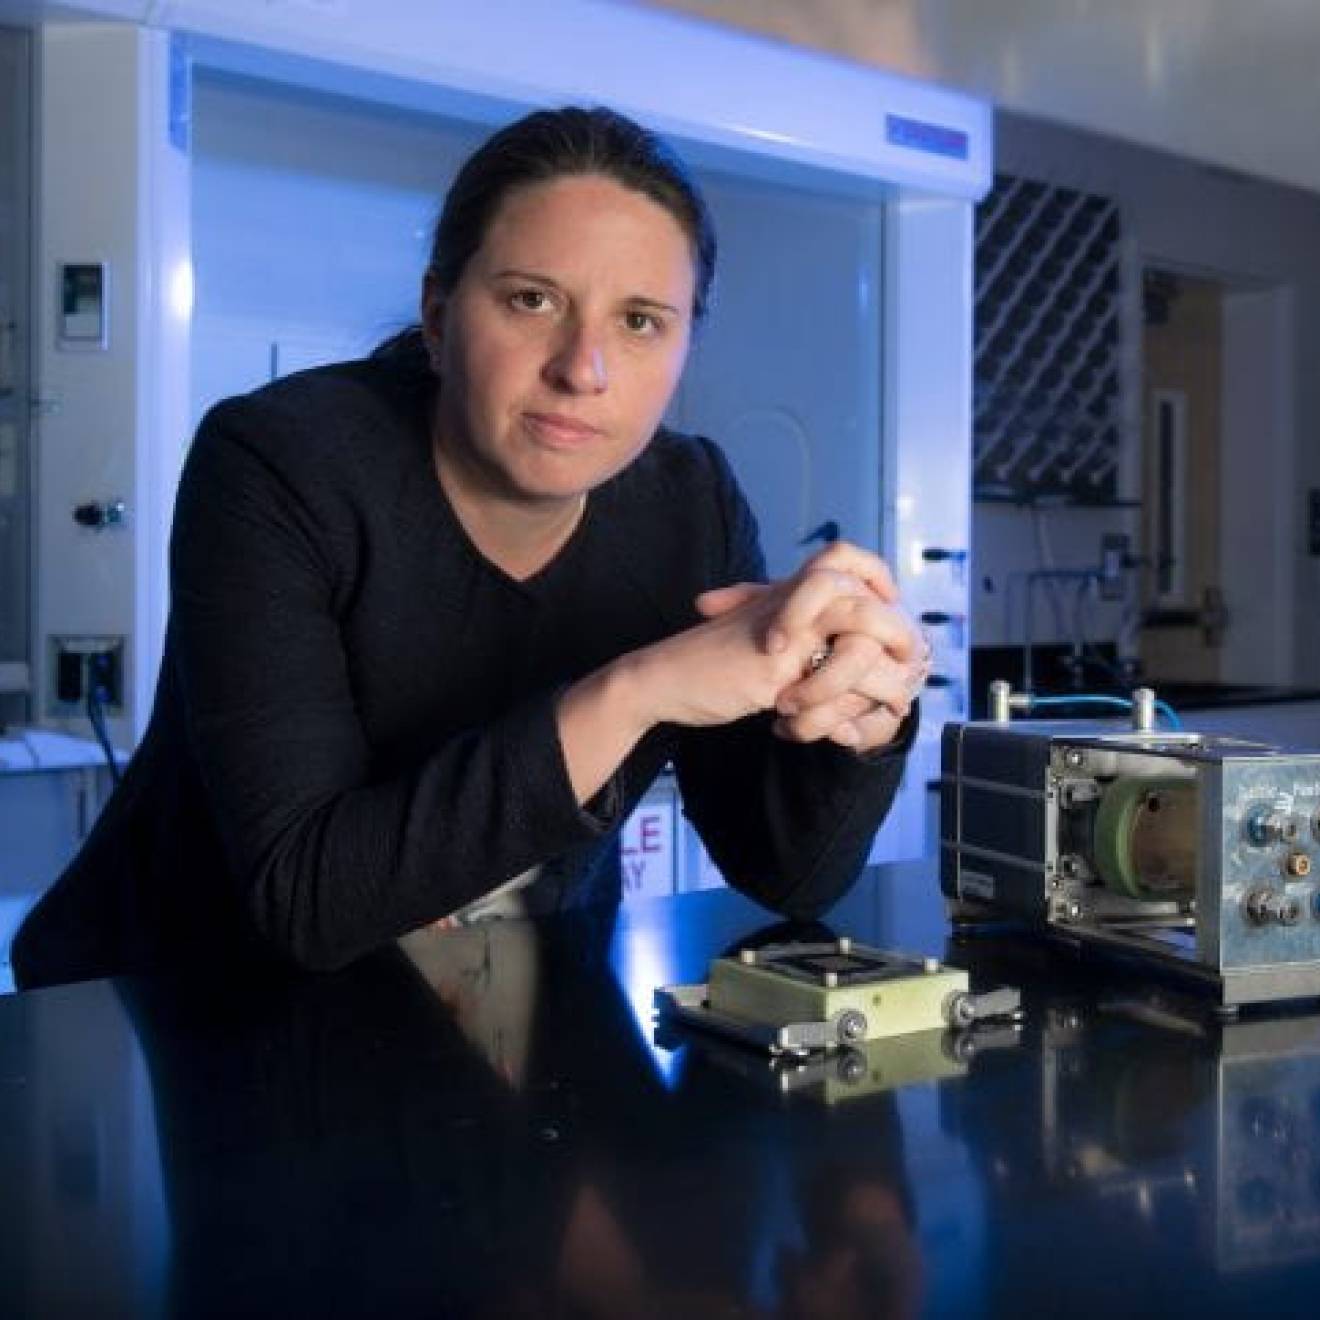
<point x="602" y="717"/>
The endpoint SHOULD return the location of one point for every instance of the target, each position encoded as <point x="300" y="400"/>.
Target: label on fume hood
<point x="920" y="135"/>
<point x="648" y="850"/>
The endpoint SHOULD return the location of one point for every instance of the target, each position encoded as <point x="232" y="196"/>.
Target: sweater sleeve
<point x="788" y="824"/>
<point x="330" y="861"/>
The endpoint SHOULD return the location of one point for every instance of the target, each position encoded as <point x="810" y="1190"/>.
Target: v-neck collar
<point x="447" y="521"/>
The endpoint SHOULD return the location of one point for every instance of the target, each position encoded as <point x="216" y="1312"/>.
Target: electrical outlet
<point x="74" y="664"/>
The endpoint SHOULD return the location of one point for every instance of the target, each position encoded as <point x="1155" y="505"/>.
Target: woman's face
<point x="564" y="340"/>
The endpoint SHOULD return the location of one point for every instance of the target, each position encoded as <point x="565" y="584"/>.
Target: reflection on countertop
<point x="487" y="1124"/>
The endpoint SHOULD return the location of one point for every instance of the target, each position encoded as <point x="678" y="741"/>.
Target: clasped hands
<point x="850" y="659"/>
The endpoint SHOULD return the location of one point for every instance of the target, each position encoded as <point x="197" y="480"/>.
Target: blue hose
<point x="1096" y="699"/>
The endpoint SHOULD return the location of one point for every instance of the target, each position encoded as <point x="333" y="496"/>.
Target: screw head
<point x="959" y="1010"/>
<point x="852" y="1025"/>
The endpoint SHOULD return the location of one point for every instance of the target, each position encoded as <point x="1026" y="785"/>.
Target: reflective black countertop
<point x="485" y="1125"/>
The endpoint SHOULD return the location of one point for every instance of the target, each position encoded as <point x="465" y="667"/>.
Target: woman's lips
<point x="559" y="431"/>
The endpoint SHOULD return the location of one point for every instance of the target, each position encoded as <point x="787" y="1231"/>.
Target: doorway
<point x="1217" y="589"/>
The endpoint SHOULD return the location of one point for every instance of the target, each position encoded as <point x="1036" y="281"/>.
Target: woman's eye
<point x="641" y="323"/>
<point x="531" y="300"/>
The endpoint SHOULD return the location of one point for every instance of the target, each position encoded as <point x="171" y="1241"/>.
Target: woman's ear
<point x="433" y="318"/>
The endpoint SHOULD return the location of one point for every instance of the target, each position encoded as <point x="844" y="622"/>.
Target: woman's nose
<point x="579" y="363"/>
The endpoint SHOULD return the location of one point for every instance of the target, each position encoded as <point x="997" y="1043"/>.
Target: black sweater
<point x="354" y="730"/>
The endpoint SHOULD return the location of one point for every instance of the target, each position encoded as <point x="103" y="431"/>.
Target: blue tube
<point x="1113" y="703"/>
<point x="1169" y="714"/>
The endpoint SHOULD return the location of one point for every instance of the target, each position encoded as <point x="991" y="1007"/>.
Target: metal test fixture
<point x="801" y="997"/>
<point x="1188" y="853"/>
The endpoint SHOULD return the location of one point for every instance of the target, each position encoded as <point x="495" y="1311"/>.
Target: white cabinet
<point x="51" y="789"/>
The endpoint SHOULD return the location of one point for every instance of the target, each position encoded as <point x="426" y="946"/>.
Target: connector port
<point x="79" y="666"/>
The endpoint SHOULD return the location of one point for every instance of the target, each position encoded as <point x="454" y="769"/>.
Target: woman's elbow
<point x="296" y="930"/>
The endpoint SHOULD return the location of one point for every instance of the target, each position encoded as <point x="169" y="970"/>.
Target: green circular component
<point x="1113" y="832"/>
<point x="1144" y="838"/>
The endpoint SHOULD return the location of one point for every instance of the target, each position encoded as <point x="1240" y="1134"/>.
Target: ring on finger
<point x="919" y="670"/>
<point x="819" y="658"/>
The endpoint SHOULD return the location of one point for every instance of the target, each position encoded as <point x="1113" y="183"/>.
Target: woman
<point x="439" y="617"/>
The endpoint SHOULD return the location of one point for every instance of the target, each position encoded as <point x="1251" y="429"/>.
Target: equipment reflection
<point x="1145" y="1129"/>
<point x="477" y="1127"/>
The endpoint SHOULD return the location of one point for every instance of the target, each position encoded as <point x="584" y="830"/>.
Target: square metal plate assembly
<point x="796" y="998"/>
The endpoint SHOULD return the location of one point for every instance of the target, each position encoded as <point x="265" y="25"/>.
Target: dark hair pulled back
<point x="552" y="144"/>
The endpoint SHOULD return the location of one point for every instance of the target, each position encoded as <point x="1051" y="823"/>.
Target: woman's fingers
<point x="856" y="698"/>
<point x="850" y="721"/>
<point x="720" y="670"/>
<point x="865" y="616"/>
<point x="850" y="661"/>
<point x="867" y="568"/>
<point x="758" y="650"/>
<point x="787" y="607"/>
<point x="839" y="573"/>
<point x="822" y="719"/>
<point x="809" y="595"/>
<point x="857" y="663"/>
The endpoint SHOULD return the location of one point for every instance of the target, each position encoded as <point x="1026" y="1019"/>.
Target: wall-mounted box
<point x="82" y="323"/>
<point x="74" y="664"/>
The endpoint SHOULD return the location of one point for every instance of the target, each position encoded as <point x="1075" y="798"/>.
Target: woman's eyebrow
<point x="642" y="300"/>
<point x="513" y="272"/>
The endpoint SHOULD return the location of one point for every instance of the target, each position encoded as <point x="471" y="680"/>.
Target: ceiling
<point x="1230" y="82"/>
